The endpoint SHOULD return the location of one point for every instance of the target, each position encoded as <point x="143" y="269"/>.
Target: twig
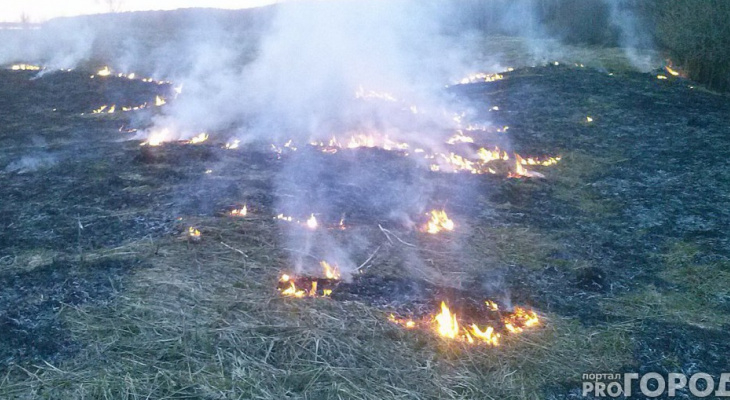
<point x="368" y="260"/>
<point x="80" y="227"/>
<point x="235" y="249"/>
<point x="385" y="232"/>
<point x="388" y="233"/>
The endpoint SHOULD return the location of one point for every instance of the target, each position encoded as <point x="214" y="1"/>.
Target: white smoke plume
<point x="305" y="70"/>
<point x="61" y="44"/>
<point x="634" y="36"/>
<point x="310" y="66"/>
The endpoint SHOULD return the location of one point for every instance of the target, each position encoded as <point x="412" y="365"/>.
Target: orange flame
<point x="283" y="217"/>
<point x="25" y="67"/>
<point x="487" y="335"/>
<point x="233" y="145"/>
<point x="200" y="138"/>
<point x="405" y="322"/>
<point x="671" y="71"/>
<point x="242" y="212"/>
<point x="330" y="271"/>
<point x="447" y="325"/>
<point x="481" y="77"/>
<point x="293" y="291"/>
<point x="439" y="222"/>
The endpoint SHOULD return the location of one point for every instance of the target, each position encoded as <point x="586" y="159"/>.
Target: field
<point x="621" y="248"/>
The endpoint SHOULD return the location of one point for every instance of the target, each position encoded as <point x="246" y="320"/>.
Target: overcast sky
<point x="41" y="10"/>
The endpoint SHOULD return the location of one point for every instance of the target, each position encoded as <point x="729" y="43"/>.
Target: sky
<point x="42" y="10"/>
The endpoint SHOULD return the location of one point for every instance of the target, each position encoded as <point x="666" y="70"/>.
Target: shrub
<point x="696" y="35"/>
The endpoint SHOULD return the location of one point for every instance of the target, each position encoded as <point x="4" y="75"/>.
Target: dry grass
<point x="205" y="322"/>
<point x="515" y="51"/>
<point x="696" y="294"/>
<point x="696" y="33"/>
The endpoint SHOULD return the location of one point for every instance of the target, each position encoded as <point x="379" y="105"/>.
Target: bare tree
<point x="112" y="6"/>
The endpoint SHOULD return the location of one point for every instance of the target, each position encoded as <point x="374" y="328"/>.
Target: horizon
<point x="39" y="11"/>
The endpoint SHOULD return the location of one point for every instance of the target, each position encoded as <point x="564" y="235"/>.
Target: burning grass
<point x="205" y="321"/>
<point x="204" y="318"/>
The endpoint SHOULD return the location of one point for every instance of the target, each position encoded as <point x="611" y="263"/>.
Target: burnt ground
<point x="622" y="248"/>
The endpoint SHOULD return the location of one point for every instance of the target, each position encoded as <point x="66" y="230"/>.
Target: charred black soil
<point x="622" y="248"/>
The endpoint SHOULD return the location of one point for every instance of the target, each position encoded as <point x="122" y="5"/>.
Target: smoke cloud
<point x="635" y="37"/>
<point x="309" y="71"/>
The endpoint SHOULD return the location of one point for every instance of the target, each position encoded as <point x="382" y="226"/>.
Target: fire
<point x="671" y="71"/>
<point x="312" y="222"/>
<point x="282" y="217"/>
<point x="522" y="318"/>
<point x="233" y="145"/>
<point x="481" y="77"/>
<point x="439" y="222"/>
<point x="193" y="233"/>
<point x="290" y="145"/>
<point x="536" y="161"/>
<point x="448" y="326"/>
<point x="25" y="67"/>
<point x="293" y="291"/>
<point x="520" y="171"/>
<point x="330" y="271"/>
<point x="104" y="72"/>
<point x="156" y="138"/>
<point x="358" y="141"/>
<point x="662" y="77"/>
<point x="405" y="322"/>
<point x="487" y="335"/>
<point x="310" y="287"/>
<point x="100" y="109"/>
<point x="200" y="138"/>
<point x="457" y="163"/>
<point x="589" y="119"/>
<point x="242" y="212"/>
<point x="160" y="101"/>
<point x="289" y="288"/>
<point x="459" y="137"/>
<point x="486" y="156"/>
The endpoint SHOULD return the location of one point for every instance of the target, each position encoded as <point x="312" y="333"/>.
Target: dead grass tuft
<point x="206" y="322"/>
<point x="697" y="293"/>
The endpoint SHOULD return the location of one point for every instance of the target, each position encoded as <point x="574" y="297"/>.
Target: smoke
<point x="307" y="71"/>
<point x="635" y="35"/>
<point x="31" y="163"/>
<point x="340" y="69"/>
<point x="61" y="44"/>
<point x="312" y="63"/>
